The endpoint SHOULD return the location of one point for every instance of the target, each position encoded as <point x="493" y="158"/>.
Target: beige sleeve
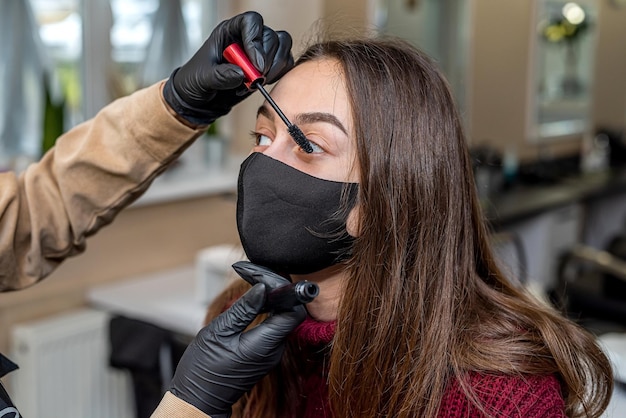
<point x="93" y="171"/>
<point x="173" y="407"/>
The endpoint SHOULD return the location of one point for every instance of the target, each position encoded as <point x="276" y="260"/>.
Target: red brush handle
<point x="235" y="55"/>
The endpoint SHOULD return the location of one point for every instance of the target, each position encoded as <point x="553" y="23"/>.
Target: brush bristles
<point x="300" y="139"/>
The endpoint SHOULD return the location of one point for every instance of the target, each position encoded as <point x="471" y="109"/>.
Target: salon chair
<point x="586" y="290"/>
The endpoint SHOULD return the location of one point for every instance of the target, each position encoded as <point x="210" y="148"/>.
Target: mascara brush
<point x="254" y="79"/>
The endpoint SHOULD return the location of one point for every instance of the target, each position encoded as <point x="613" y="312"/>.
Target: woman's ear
<point x="352" y="223"/>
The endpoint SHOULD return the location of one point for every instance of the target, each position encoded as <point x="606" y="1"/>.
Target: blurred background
<point x="541" y="85"/>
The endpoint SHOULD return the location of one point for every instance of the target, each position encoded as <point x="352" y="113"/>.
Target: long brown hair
<point x="424" y="301"/>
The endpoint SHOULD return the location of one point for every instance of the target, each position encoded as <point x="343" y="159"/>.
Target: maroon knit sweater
<point x="511" y="396"/>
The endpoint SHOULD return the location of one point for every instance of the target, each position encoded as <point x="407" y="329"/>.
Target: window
<point x="93" y="52"/>
<point x="125" y="38"/>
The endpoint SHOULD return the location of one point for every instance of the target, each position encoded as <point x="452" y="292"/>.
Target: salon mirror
<point x="562" y="58"/>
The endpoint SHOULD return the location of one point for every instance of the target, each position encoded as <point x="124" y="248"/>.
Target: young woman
<point x="414" y="317"/>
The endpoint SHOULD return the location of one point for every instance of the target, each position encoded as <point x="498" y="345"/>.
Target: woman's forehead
<point x="314" y="86"/>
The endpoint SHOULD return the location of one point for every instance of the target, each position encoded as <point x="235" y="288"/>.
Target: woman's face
<point x="313" y="97"/>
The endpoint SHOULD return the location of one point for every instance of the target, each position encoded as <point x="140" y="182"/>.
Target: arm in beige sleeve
<point x="173" y="407"/>
<point x="94" y="171"/>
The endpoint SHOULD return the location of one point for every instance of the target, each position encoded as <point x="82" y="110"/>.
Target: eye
<point x="260" y="139"/>
<point x="263" y="140"/>
<point x="316" y="148"/>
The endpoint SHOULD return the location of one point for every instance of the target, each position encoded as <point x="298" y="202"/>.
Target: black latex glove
<point x="207" y="86"/>
<point x="223" y="362"/>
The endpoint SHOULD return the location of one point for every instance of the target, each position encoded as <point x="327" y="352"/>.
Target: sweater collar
<point x="313" y="332"/>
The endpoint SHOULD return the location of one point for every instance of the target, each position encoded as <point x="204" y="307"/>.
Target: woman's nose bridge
<point x="281" y="147"/>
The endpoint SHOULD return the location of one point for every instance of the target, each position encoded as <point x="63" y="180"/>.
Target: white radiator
<point x="64" y="369"/>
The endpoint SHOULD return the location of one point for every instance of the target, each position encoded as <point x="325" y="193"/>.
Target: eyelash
<point x="256" y="136"/>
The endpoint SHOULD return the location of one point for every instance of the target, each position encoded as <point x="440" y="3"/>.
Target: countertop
<point x="166" y="299"/>
<point x="522" y="202"/>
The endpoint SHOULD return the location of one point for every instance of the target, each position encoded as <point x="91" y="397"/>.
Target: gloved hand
<point x="223" y="362"/>
<point x="207" y="86"/>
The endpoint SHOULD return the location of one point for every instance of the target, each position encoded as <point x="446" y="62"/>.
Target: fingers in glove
<point x="246" y="29"/>
<point x="241" y="313"/>
<point x="281" y="324"/>
<point x="259" y="42"/>
<point x="270" y="46"/>
<point x="282" y="59"/>
<point x="253" y="274"/>
<point x="270" y="334"/>
<point x="228" y="76"/>
<point x="251" y="29"/>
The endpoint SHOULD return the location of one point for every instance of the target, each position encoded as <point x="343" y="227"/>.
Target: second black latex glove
<point x="223" y="362"/>
<point x="207" y="86"/>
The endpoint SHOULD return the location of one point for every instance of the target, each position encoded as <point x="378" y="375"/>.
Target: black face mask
<point x="289" y="221"/>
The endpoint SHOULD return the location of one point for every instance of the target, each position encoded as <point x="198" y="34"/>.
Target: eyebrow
<point x="306" y="118"/>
